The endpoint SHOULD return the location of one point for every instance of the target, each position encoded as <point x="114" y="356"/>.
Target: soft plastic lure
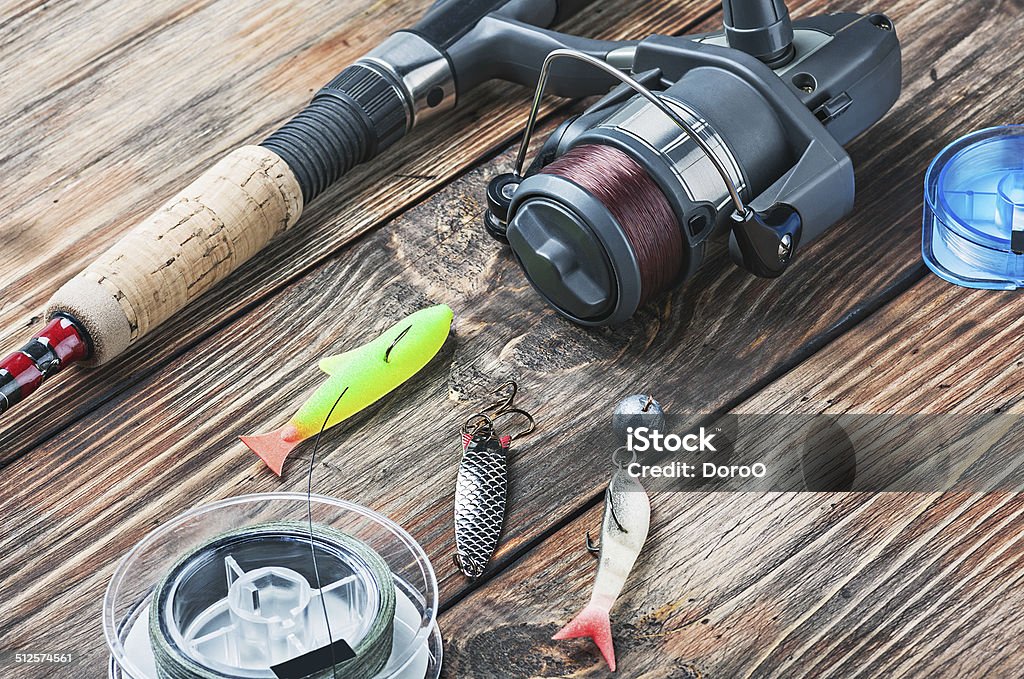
<point x="363" y="375"/>
<point x="627" y="518"/>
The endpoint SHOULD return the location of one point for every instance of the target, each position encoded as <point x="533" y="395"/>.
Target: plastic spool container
<point x="244" y="610"/>
<point x="974" y="211"/>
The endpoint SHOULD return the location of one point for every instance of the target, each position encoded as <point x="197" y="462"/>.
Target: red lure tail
<point x="594" y="624"/>
<point x="272" y="447"/>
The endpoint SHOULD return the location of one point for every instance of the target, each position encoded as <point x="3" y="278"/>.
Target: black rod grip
<point x="351" y="120"/>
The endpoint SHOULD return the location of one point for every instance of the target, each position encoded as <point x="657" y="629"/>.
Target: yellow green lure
<point x="358" y="378"/>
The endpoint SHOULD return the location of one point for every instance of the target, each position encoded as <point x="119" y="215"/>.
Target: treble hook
<point x="485" y="419"/>
<point x="476" y="423"/>
<point x="531" y="424"/>
<point x="500" y="406"/>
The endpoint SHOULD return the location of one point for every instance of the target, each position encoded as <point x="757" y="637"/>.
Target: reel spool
<point x="732" y="136"/>
<point x="974" y="211"/>
<point x="231" y="590"/>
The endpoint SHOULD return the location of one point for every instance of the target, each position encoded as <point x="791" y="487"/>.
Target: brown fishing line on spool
<point x="638" y="205"/>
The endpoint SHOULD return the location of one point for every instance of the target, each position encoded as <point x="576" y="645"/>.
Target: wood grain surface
<point x="731" y="585"/>
<point x="804" y="585"/>
<point x="120" y="134"/>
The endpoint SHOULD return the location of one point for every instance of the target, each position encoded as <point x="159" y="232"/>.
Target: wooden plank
<point x="935" y="349"/>
<point x="41" y="522"/>
<point x="739" y="585"/>
<point x="105" y="132"/>
<point x="167" y="444"/>
<point x="122" y="130"/>
<point x="900" y="585"/>
<point x="888" y="206"/>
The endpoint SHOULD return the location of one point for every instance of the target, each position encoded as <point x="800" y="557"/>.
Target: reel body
<point x="621" y="202"/>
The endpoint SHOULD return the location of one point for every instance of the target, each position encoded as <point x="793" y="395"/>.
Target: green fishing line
<point x="371" y="652"/>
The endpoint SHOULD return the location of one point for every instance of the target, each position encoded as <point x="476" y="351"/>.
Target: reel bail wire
<point x="538" y="96"/>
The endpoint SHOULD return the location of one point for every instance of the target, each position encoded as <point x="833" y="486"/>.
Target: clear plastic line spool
<point x="974" y="211"/>
<point x="241" y="606"/>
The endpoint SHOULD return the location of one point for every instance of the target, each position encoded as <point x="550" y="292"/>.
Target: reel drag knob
<point x="566" y="262"/>
<point x="570" y="234"/>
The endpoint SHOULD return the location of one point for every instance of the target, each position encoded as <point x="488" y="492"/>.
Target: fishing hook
<point x="476" y="423"/>
<point x="618" y="524"/>
<point x="500" y="406"/>
<point x="387" y="354"/>
<point x="531" y="423"/>
<point x="596" y="549"/>
<point x="484" y="420"/>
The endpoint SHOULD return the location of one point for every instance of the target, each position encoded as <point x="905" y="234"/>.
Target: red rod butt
<point x="57" y="346"/>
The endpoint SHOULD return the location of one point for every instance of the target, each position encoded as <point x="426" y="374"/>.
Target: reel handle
<point x="804" y="203"/>
<point x="764" y="244"/>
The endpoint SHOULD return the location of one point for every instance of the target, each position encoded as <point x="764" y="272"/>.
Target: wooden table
<point x="109" y="106"/>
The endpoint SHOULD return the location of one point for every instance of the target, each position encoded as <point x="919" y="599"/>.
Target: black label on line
<point x="314" y="661"/>
<point x="1017" y="242"/>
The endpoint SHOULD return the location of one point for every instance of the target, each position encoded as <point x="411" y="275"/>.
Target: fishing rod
<point x="737" y="134"/>
<point x="257" y="192"/>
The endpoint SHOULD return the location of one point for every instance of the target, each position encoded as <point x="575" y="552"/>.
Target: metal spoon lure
<point x="481" y="489"/>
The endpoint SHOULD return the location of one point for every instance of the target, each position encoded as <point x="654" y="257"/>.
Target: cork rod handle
<point x="188" y="245"/>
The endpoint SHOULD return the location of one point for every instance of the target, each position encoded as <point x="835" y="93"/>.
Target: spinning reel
<point x="737" y="134"/>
